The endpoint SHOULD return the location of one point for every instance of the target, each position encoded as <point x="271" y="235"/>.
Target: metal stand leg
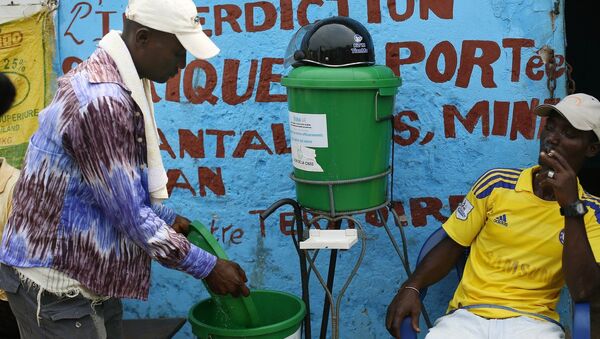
<point x="330" y="278"/>
<point x="404" y="255"/>
<point x="304" y="274"/>
<point x="326" y="305"/>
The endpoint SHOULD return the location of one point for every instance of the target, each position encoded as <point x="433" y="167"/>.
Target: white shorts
<point x="466" y="325"/>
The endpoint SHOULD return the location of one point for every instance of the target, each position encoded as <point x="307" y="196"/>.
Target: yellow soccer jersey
<point x="516" y="245"/>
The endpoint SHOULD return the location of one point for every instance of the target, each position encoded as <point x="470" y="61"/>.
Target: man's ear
<point x="142" y="37"/>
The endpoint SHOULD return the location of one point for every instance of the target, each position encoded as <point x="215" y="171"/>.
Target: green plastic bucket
<point x="341" y="130"/>
<point x="281" y="316"/>
<point x="264" y="314"/>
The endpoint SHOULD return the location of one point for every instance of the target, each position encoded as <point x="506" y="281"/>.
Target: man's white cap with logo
<point x="581" y="110"/>
<point x="178" y="17"/>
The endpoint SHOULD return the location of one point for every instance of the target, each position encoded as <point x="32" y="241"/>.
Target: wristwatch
<point x="576" y="209"/>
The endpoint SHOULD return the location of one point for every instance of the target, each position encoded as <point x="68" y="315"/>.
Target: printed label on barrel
<point x="307" y="131"/>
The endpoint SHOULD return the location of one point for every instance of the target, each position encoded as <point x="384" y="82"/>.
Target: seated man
<point x="529" y="232"/>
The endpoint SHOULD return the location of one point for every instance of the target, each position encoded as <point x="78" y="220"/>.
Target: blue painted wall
<point x="431" y="162"/>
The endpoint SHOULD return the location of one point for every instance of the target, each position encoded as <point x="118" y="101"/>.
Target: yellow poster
<point x="26" y="51"/>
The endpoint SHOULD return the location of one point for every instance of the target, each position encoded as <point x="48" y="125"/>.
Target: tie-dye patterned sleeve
<point x="165" y="213"/>
<point x="103" y="143"/>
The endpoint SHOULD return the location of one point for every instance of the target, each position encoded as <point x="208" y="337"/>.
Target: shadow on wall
<point x="590" y="180"/>
<point x="589" y="176"/>
<point x="583" y="56"/>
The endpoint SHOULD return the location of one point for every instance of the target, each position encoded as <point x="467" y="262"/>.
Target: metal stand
<point x="331" y="306"/>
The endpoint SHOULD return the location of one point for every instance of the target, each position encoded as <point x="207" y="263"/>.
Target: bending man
<point x="87" y="218"/>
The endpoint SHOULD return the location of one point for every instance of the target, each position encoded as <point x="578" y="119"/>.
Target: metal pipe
<point x="304" y="277"/>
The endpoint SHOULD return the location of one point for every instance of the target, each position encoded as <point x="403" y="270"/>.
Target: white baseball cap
<point x="581" y="110"/>
<point x="178" y="17"/>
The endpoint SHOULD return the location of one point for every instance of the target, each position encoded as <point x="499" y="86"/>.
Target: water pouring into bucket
<point x="262" y="315"/>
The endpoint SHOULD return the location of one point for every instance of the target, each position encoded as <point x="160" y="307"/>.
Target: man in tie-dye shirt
<point x="83" y="230"/>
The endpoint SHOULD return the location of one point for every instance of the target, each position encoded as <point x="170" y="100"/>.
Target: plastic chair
<point x="581" y="311"/>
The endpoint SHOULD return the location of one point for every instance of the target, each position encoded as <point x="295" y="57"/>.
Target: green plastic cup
<point x="240" y="311"/>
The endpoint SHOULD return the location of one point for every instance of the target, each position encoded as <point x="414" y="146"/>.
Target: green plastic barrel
<point x="341" y="130"/>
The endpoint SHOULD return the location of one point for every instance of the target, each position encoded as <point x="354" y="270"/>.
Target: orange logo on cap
<point x="577" y="100"/>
